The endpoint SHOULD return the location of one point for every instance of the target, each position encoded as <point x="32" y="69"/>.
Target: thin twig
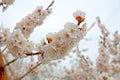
<point x="93" y="24"/>
<point x="4" y="49"/>
<point x="78" y="23"/>
<point x="82" y="57"/>
<point x="37" y="53"/>
<point x="8" y="63"/>
<point x="29" y="71"/>
<point x="50" y="5"/>
<point x="85" y="60"/>
<point x="98" y="20"/>
<point x="11" y="71"/>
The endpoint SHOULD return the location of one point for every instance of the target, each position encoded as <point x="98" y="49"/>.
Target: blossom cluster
<point x="107" y="61"/>
<point x="18" y="45"/>
<point x="84" y="70"/>
<point x="107" y="65"/>
<point x="102" y="60"/>
<point x="56" y="46"/>
<point x="27" y="24"/>
<point x="6" y="3"/>
<point x="4" y="33"/>
<point x="16" y="41"/>
<point x="52" y="50"/>
<point x="60" y="43"/>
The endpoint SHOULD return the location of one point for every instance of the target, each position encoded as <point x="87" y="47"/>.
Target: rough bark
<point x="3" y="74"/>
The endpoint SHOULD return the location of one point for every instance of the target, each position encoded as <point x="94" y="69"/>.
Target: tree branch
<point x="1" y="3"/>
<point x="50" y="5"/>
<point x="29" y="71"/>
<point x="3" y="74"/>
<point x="37" y="53"/>
<point x="10" y="62"/>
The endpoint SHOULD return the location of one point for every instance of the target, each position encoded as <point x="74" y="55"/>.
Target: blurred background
<point x="107" y="10"/>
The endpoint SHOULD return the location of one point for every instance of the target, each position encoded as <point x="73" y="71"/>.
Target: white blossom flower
<point x="79" y="15"/>
<point x="18" y="45"/>
<point x="115" y="67"/>
<point x="6" y="3"/>
<point x="4" y="33"/>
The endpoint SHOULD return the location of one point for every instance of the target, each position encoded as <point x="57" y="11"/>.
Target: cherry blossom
<point x="6" y="3"/>
<point x="27" y="24"/>
<point x="26" y="60"/>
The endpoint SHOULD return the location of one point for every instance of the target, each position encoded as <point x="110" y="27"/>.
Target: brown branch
<point x="29" y="71"/>
<point x="10" y="69"/>
<point x="2" y="67"/>
<point x="28" y="54"/>
<point x="50" y="5"/>
<point x="37" y="53"/>
<point x="3" y="74"/>
<point x="1" y="3"/>
<point x="10" y="62"/>
<point x="41" y="53"/>
<point x="78" y="23"/>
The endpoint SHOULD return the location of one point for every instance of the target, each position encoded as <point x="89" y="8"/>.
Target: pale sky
<point x="107" y="10"/>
